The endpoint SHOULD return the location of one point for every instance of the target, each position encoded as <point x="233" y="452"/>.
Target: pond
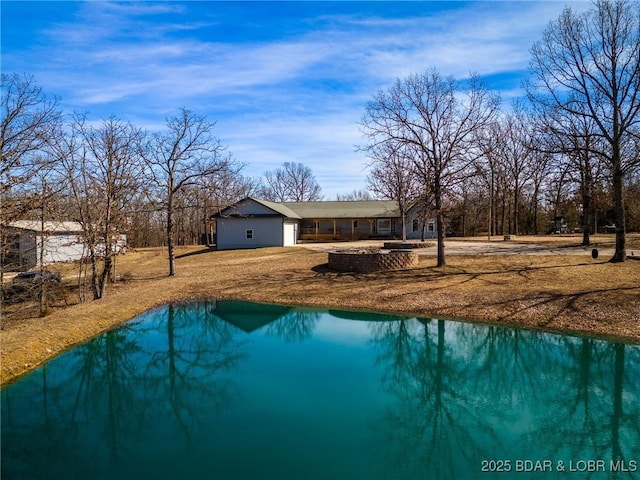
<point x="236" y="390"/>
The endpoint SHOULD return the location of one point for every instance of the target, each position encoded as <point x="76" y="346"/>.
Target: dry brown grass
<point x="555" y="293"/>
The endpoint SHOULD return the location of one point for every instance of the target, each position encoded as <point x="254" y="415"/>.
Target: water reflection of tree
<point x="106" y="374"/>
<point x="572" y="424"/>
<point x="506" y="357"/>
<point x="105" y="406"/>
<point x="625" y="423"/>
<point x="433" y="425"/>
<point x="56" y="407"/>
<point x="184" y="371"/>
<point x="295" y="326"/>
<point x="467" y="392"/>
<point x="595" y="413"/>
<point x="509" y="374"/>
<point x="572" y="388"/>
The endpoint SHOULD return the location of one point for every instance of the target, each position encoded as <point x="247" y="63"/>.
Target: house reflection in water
<point x="247" y="316"/>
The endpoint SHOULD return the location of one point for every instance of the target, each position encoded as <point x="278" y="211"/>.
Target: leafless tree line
<point x="445" y="142"/>
<point x="293" y="182"/>
<point x="111" y="177"/>
<point x="114" y="178"/>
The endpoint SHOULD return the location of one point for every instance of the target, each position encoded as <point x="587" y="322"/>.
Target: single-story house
<point x="252" y="222"/>
<point x="63" y="242"/>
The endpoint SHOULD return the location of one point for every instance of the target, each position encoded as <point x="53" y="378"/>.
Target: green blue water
<point x="235" y="390"/>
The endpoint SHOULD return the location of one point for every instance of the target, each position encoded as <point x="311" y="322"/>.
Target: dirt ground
<point x="560" y="288"/>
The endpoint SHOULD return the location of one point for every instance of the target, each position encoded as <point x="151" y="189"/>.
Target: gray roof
<point x="49" y="227"/>
<point x="281" y="208"/>
<point x="345" y="209"/>
<point x="276" y="208"/>
<point x="328" y="209"/>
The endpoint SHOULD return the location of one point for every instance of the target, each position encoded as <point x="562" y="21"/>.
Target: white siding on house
<point x="63" y="242"/>
<point x="58" y="247"/>
<point x="232" y="232"/>
<point x="62" y="248"/>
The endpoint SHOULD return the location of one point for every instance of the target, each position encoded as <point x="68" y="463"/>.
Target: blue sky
<point x="285" y="81"/>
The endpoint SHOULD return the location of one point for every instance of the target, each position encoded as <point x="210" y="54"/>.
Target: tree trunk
<point x="170" y="228"/>
<point x="503" y="218"/>
<point x="439" y="222"/>
<point x="440" y="227"/>
<point x="536" y="230"/>
<point x="516" y="209"/>
<point x="106" y="269"/>
<point x="170" y="246"/>
<point x="94" y="274"/>
<point x="490" y="223"/>
<point x="620" y="254"/>
<point x="43" y="284"/>
<point x="586" y="207"/>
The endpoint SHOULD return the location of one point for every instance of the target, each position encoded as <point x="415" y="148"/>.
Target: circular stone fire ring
<point x="364" y="260"/>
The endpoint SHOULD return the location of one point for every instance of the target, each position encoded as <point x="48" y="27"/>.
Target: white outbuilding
<point x="29" y="241"/>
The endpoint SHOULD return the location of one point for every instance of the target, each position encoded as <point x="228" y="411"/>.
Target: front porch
<point x="340" y="229"/>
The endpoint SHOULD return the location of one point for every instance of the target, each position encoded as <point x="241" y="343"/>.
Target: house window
<point x="415" y="225"/>
<point x="384" y="225"/>
<point x="249" y="233"/>
<point x="431" y="227"/>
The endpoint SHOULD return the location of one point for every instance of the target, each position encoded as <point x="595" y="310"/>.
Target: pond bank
<point x="567" y="293"/>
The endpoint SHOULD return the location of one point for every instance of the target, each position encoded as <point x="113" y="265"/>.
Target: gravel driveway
<point x="467" y="247"/>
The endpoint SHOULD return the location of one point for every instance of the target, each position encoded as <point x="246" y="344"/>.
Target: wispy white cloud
<point x="294" y="96"/>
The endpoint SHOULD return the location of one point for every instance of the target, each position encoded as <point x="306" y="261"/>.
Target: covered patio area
<point x="327" y="229"/>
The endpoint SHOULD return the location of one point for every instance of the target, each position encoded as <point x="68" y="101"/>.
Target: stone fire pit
<point x="363" y="260"/>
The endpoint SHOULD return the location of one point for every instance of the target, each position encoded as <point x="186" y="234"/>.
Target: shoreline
<point x="557" y="294"/>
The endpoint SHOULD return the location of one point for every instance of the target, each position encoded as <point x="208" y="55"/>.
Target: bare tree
<point x="196" y="204"/>
<point x="490" y="169"/>
<point x="573" y="138"/>
<point x="294" y="182"/>
<point x="28" y="118"/>
<point x="516" y="136"/>
<point x="114" y="150"/>
<point x="468" y="206"/>
<point x="50" y="185"/>
<point x="73" y="161"/>
<point x="588" y="66"/>
<point x="541" y="166"/>
<point x="437" y="119"/>
<point x="182" y="157"/>
<point x="392" y="176"/>
<point x="354" y="196"/>
<point x="102" y="168"/>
